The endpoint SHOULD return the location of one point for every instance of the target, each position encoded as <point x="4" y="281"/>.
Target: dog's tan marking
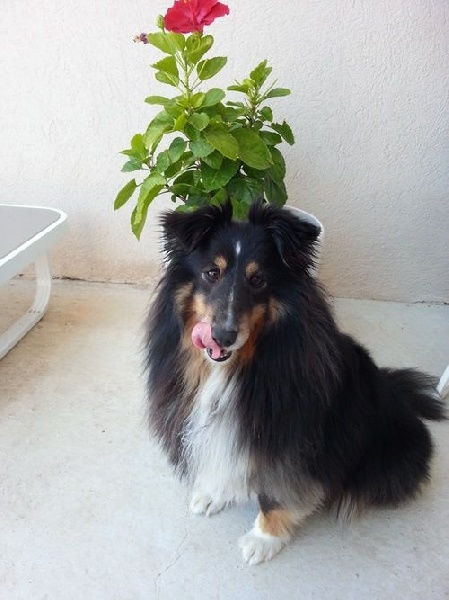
<point x="182" y="295"/>
<point x="275" y="310"/>
<point x="196" y="367"/>
<point x="251" y="269"/>
<point x="278" y="522"/>
<point x="254" y="322"/>
<point x="201" y="309"/>
<point x="221" y="262"/>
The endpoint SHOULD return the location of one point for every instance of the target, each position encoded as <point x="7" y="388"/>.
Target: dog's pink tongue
<point x="202" y="338"/>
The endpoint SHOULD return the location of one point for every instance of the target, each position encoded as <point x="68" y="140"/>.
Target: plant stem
<point x="186" y="81"/>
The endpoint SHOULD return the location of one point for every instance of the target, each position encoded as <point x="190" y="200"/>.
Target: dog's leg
<point x="203" y="504"/>
<point x="273" y="529"/>
<point x="211" y="495"/>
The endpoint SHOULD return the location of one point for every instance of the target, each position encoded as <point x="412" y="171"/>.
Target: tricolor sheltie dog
<point x="253" y="390"/>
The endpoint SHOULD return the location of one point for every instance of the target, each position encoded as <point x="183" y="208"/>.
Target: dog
<point x="254" y="392"/>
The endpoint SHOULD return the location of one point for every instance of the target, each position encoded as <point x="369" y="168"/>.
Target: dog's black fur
<point x="308" y="403"/>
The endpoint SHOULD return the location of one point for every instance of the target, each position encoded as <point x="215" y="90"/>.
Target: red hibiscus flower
<point x="187" y="16"/>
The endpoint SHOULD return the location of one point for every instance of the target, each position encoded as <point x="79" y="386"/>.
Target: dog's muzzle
<point x="224" y="355"/>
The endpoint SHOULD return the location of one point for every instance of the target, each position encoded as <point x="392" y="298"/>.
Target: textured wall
<point x="369" y="109"/>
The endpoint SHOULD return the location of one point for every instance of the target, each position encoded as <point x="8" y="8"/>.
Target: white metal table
<point x="27" y="233"/>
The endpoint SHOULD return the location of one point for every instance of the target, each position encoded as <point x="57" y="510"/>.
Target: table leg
<point x="37" y="310"/>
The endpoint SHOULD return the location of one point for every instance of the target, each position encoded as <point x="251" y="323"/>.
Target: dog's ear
<point x="186" y="231"/>
<point x="294" y="234"/>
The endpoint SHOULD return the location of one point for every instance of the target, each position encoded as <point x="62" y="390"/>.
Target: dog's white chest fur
<point x="219" y="466"/>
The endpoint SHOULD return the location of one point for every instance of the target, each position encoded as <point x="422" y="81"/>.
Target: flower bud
<point x="142" y="37"/>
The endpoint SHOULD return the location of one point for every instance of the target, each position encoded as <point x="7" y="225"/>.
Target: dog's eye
<point x="257" y="282"/>
<point x="212" y="275"/>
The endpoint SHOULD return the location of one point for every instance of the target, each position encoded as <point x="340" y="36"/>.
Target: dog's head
<point x="231" y="274"/>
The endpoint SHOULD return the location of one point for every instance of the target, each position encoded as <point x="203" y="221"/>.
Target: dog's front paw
<point x="203" y="504"/>
<point x="259" y="547"/>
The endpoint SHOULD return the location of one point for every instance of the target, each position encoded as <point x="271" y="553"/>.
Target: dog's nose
<point x="224" y="337"/>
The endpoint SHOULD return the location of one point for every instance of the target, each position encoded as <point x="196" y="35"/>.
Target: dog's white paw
<point x="203" y="504"/>
<point x="259" y="547"/>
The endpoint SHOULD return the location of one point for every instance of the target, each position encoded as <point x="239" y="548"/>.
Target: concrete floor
<point x="89" y="508"/>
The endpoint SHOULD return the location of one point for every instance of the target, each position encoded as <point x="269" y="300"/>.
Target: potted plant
<point x="203" y="147"/>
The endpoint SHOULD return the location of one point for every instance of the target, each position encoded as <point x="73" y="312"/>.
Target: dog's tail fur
<point x="418" y="390"/>
<point x="397" y="461"/>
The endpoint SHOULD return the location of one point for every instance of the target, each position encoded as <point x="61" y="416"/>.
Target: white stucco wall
<point x="369" y="108"/>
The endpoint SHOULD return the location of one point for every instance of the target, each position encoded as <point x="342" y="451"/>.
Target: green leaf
<point x="167" y="78"/>
<point x="192" y="203"/>
<point x="170" y="156"/>
<point x="132" y="165"/>
<point x="197" y="100"/>
<point x="277" y="93"/>
<point x="186" y="177"/>
<point x="125" y="194"/>
<point x="214" y="160"/>
<point x="274" y="186"/>
<point x="253" y="173"/>
<point x="239" y="209"/>
<point x="138" y="218"/>
<point x="245" y="189"/>
<point x="129" y="153"/>
<point x="168" y="65"/>
<point x="183" y="101"/>
<point x="149" y="189"/>
<point x="162" y="162"/>
<point x="180" y="123"/>
<point x="240" y="87"/>
<point x="137" y="152"/>
<point x="199" y="120"/>
<point x="162" y="41"/>
<point x="228" y="114"/>
<point x="210" y="67"/>
<point x="266" y="113"/>
<point x="270" y="138"/>
<point x="159" y="100"/>
<point x="152" y="182"/>
<point x="137" y="143"/>
<point x="213" y="97"/>
<point x="278" y="170"/>
<point x="219" y="137"/>
<point x="176" y="149"/>
<point x="177" y="40"/>
<point x="252" y="149"/>
<point x="260" y="74"/>
<point x="215" y="179"/>
<point x="174" y="110"/>
<point x="191" y="133"/>
<point x="185" y="161"/>
<point x="195" y="201"/>
<point x="162" y="123"/>
<point x="201" y="149"/>
<point x="183" y="189"/>
<point x="219" y="197"/>
<point x="275" y="191"/>
<point x="285" y="131"/>
<point x="197" y="46"/>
